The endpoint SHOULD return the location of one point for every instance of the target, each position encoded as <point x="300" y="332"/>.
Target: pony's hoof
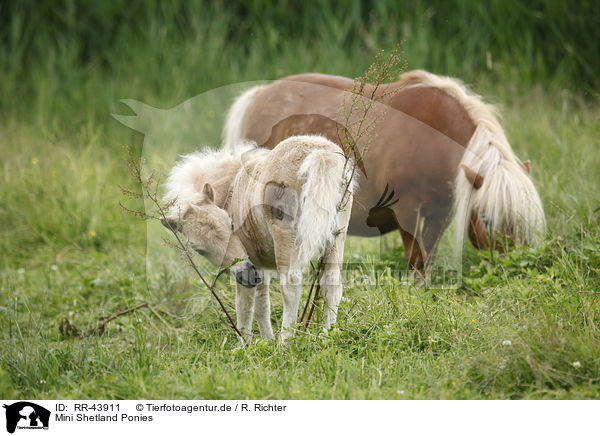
<point x="267" y="338"/>
<point x="285" y="336"/>
<point x="416" y="278"/>
<point x="246" y="340"/>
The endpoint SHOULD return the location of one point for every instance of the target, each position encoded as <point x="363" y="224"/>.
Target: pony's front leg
<point x="244" y="308"/>
<point x="411" y="238"/>
<point x="262" y="307"/>
<point x="290" y="275"/>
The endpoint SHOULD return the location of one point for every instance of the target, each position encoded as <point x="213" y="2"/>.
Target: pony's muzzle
<point x="247" y="275"/>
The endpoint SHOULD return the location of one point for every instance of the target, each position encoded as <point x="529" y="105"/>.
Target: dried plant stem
<point x="316" y="277"/>
<point x="150" y="191"/>
<point x="100" y="327"/>
<point x="379" y="72"/>
<point x="314" y="304"/>
<point x="69" y="329"/>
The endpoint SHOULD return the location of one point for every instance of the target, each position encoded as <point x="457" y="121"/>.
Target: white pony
<point x="277" y="209"/>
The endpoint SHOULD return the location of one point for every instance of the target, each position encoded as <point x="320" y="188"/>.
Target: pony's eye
<point x="485" y="220"/>
<point x="200" y="252"/>
<point x="232" y="229"/>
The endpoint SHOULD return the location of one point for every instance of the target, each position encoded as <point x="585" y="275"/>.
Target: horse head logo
<point x="24" y="414"/>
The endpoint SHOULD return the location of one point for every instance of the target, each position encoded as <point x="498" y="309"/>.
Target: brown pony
<point x="435" y="151"/>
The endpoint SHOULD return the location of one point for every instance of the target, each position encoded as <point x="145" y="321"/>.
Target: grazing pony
<point x="436" y="151"/>
<point x="278" y="209"/>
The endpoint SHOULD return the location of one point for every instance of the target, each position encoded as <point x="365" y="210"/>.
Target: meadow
<point x="521" y="325"/>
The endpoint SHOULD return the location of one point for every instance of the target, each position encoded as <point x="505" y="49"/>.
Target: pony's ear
<point x="171" y="222"/>
<point x="527" y="166"/>
<point x="208" y="192"/>
<point x="473" y="176"/>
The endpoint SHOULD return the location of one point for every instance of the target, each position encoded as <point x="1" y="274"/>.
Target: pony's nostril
<point x="254" y="274"/>
<point x="200" y="251"/>
<point x="249" y="276"/>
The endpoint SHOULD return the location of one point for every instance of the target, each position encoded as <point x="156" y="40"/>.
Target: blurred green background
<point x="67" y="64"/>
<point x="64" y="54"/>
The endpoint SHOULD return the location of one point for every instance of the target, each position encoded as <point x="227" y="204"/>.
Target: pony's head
<point x="495" y="201"/>
<point x="209" y="230"/>
<point x="504" y="208"/>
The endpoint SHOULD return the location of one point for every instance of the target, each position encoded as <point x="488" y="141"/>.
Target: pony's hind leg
<point x="331" y="280"/>
<point x="291" y="290"/>
<point x="262" y="307"/>
<point x="331" y="284"/>
<point x="244" y="308"/>
<point x="290" y="276"/>
<point x="413" y="249"/>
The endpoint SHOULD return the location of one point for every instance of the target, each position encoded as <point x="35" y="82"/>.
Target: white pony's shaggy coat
<point x="287" y="205"/>
<point x="192" y="171"/>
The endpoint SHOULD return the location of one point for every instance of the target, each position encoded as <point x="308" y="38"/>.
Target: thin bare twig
<point x="150" y="191"/>
<point x="314" y="304"/>
<point x="67" y="328"/>
<point x="316" y="276"/>
<point x="361" y="105"/>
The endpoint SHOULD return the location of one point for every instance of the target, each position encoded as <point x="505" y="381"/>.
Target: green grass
<point x="394" y="340"/>
<point x="68" y="250"/>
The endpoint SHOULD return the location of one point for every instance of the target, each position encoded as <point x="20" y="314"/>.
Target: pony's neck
<point x="231" y="167"/>
<point x="222" y="186"/>
<point x="444" y="112"/>
<point x="222" y="189"/>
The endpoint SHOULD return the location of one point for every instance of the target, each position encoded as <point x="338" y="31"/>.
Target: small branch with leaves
<point x="356" y="133"/>
<point x="150" y="191"/>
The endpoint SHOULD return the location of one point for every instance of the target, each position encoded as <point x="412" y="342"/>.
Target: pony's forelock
<point x="507" y="198"/>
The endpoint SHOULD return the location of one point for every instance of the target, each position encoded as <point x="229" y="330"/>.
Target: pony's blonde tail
<point x="232" y="132"/>
<point x="327" y="178"/>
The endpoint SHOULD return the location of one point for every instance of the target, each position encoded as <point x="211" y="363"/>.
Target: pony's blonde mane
<point x="186" y="180"/>
<point x="507" y="198"/>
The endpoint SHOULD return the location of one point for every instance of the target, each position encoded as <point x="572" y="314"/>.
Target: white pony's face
<point x="209" y="231"/>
